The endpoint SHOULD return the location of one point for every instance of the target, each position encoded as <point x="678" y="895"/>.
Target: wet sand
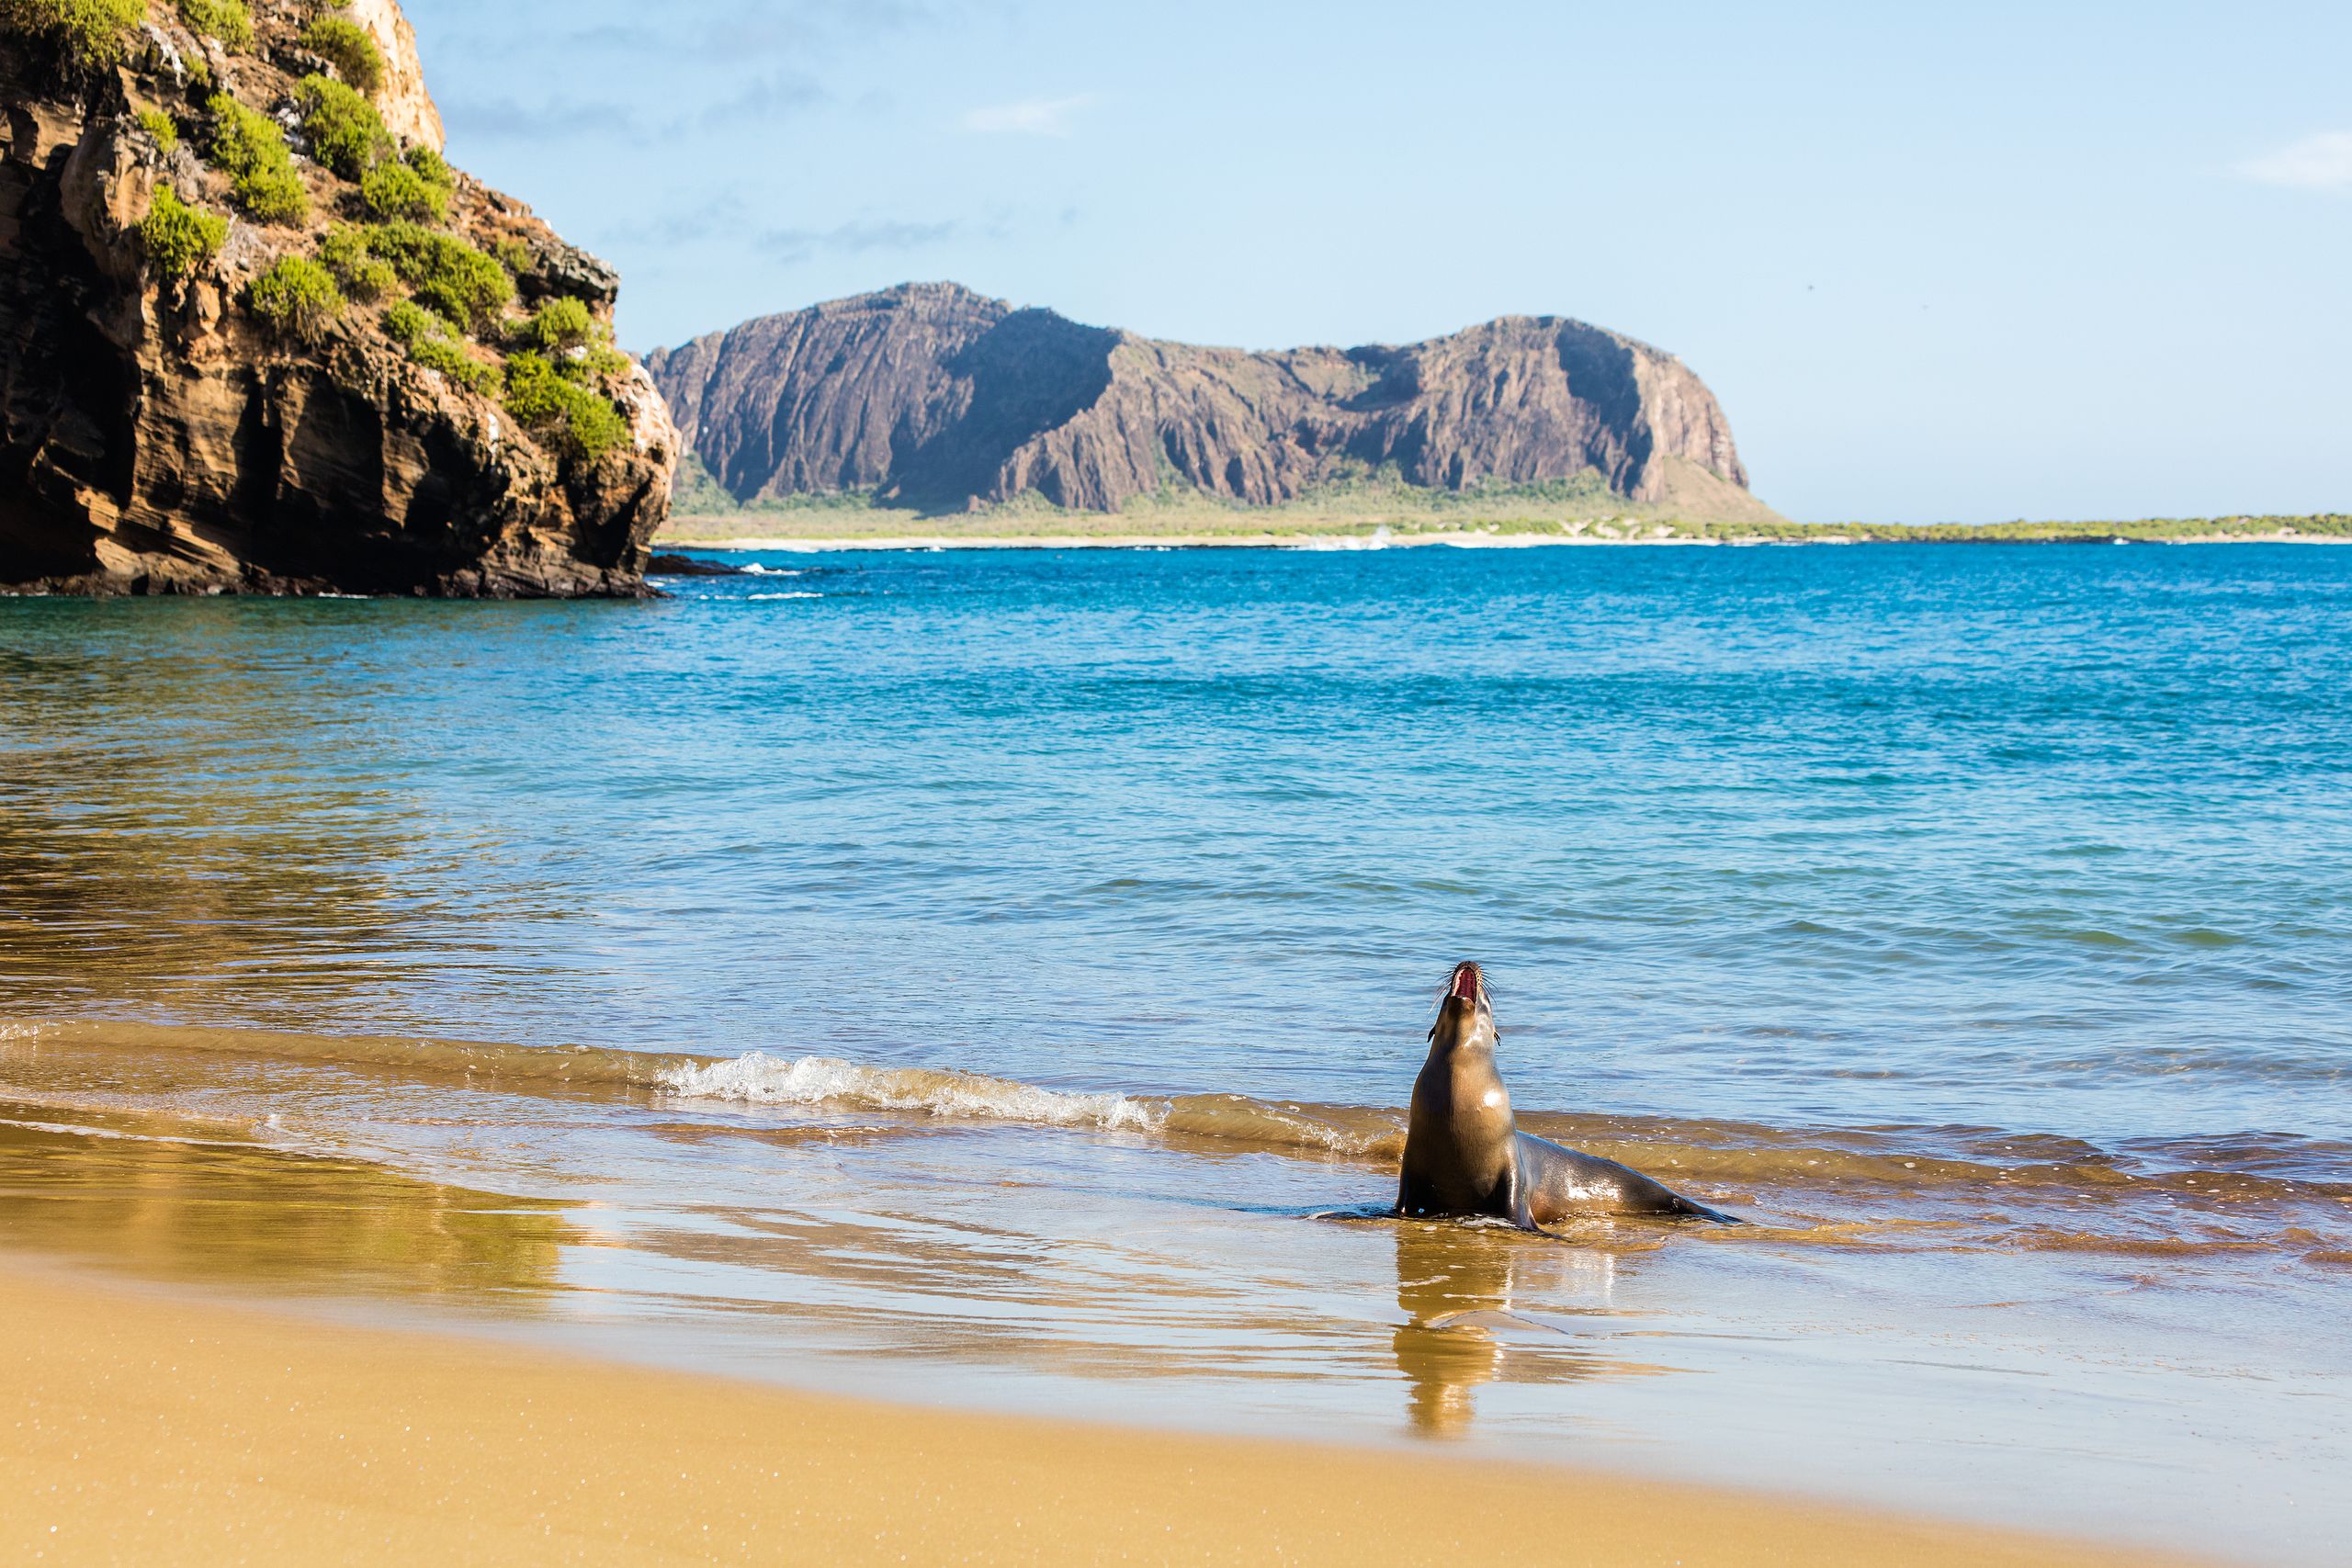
<point x="147" y="1428"/>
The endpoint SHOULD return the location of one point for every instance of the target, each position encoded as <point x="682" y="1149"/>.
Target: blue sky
<point x="1970" y="262"/>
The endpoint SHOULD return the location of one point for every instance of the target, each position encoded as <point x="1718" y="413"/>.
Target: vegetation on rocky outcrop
<point x="297" y="296"/>
<point x="178" y="238"/>
<point x="291" y="349"/>
<point x="933" y="398"/>
<point x="249" y="148"/>
<point x="345" y="44"/>
<point x="159" y="129"/>
<point x="90" y="32"/>
<point x="229" y="21"/>
<point x="346" y="133"/>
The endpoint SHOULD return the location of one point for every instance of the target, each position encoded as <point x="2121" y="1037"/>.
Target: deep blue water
<point x="2043" y="838"/>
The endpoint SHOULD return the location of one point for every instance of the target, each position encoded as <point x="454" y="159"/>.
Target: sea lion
<point x="1464" y="1155"/>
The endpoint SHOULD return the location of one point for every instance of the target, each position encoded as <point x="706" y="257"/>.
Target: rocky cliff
<point x="932" y="396"/>
<point x="255" y="335"/>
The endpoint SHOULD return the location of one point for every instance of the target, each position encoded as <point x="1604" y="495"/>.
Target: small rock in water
<point x="689" y="565"/>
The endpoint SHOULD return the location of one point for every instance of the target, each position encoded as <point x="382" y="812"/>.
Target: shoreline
<point x="161" y="1427"/>
<point x="1337" y="543"/>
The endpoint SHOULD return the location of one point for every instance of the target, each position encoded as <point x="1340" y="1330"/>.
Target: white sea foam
<point x="1380" y="538"/>
<point x="756" y="569"/>
<point x="761" y="1078"/>
<point x="799" y="595"/>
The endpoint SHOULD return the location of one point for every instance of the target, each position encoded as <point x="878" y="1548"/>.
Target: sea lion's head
<point x="1466" y="1015"/>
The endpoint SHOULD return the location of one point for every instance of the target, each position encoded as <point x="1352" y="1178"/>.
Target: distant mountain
<point x="933" y="397"/>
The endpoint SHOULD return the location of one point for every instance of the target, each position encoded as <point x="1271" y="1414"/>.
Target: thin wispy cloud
<point x="506" y="119"/>
<point x="1030" y="117"/>
<point x="724" y="215"/>
<point x="791" y="245"/>
<point x="723" y="32"/>
<point x="2317" y="163"/>
<point x="766" y="99"/>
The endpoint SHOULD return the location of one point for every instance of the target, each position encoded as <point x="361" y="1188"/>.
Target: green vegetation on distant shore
<point x="1358" y="503"/>
<point x="855" y="515"/>
<point x="178" y="238"/>
<point x="696" y="493"/>
<point x="94" y="29"/>
<point x="1354" y="496"/>
<point x="2146" y="529"/>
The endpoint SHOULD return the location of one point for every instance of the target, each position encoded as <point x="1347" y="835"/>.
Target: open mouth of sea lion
<point x="1467" y="982"/>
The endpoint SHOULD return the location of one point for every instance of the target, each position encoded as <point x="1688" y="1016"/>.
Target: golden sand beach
<point x="149" y="1428"/>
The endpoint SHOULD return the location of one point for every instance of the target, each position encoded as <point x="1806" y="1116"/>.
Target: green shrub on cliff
<point x="447" y="274"/>
<point x="557" y="325"/>
<point x="159" y="129"/>
<point x="296" y="296"/>
<point x="594" y="365"/>
<point x="248" y="147"/>
<point x="409" y="323"/>
<point x="178" y="238"/>
<point x="432" y="168"/>
<point x="93" y="29"/>
<point x="227" y="20"/>
<point x="343" y="250"/>
<point x="574" y="344"/>
<point x="438" y="346"/>
<point x="513" y="254"/>
<point x="581" y="421"/>
<point x="395" y="190"/>
<point x="346" y="133"/>
<point x="345" y="44"/>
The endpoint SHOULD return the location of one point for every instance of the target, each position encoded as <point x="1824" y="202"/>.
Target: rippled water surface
<point x="994" y="977"/>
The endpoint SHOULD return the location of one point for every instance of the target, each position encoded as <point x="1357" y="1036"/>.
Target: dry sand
<point x="149" y="1429"/>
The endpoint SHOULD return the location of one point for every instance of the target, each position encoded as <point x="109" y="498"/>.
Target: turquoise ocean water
<point x="2009" y="886"/>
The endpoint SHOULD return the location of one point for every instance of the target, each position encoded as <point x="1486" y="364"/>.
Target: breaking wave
<point x="761" y="1078"/>
<point x="2145" y="1193"/>
<point x="818" y="1081"/>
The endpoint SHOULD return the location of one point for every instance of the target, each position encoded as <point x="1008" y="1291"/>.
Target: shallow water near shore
<point x="994" y="979"/>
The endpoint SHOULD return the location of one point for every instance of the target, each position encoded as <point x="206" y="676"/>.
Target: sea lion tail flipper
<point x="1701" y="1211"/>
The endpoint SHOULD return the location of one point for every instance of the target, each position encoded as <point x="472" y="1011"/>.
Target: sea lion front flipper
<point x="1518" y="1199"/>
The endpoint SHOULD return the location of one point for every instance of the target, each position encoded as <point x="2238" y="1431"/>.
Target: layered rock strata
<point x="158" y="434"/>
<point x="928" y="395"/>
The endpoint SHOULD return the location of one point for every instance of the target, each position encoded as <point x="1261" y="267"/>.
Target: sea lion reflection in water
<point x="1465" y="1156"/>
<point x="1458" y="1287"/>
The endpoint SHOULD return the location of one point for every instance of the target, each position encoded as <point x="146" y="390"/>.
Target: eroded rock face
<point x="936" y="397"/>
<point x="155" y="436"/>
<point x="407" y="109"/>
